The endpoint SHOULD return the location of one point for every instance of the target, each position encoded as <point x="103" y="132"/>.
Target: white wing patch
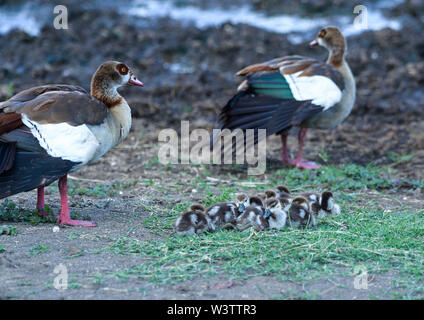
<point x="73" y="143"/>
<point x="321" y="90"/>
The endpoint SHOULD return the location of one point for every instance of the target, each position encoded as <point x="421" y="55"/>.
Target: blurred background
<point x="187" y="52"/>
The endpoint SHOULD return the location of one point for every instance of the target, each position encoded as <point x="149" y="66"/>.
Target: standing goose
<point x="48" y="131"/>
<point x="294" y="91"/>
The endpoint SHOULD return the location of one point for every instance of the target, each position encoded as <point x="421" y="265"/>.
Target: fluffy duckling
<point x="282" y="191"/>
<point x="328" y="205"/>
<point x="314" y="202"/>
<point x="270" y="194"/>
<point x="299" y="213"/>
<point x="284" y="196"/>
<point x="275" y="214"/>
<point x="322" y="205"/>
<point x="194" y="221"/>
<point x="253" y="216"/>
<point x="222" y="214"/>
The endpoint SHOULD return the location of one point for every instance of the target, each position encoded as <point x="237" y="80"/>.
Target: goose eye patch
<point x="123" y="69"/>
<point x="322" y="33"/>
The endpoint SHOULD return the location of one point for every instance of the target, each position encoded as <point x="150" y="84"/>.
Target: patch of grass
<point x="400" y="158"/>
<point x="25" y="284"/>
<point x="323" y="155"/>
<point x="10" y="90"/>
<point x="73" y="284"/>
<point x="349" y="176"/>
<point x="384" y="241"/>
<point x="97" y="279"/>
<point x="97" y="190"/>
<point x="9" y="211"/>
<point x="8" y="230"/>
<point x="41" y="248"/>
<point x="163" y="218"/>
<point x="92" y="190"/>
<point x="2" y="249"/>
<point x="152" y="162"/>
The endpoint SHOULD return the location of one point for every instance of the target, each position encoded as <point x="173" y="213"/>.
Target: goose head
<point x="242" y="201"/>
<point x="332" y="39"/>
<point x="109" y="77"/>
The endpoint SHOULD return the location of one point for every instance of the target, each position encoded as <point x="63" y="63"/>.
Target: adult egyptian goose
<point x="294" y="91"/>
<point x="48" y="131"/>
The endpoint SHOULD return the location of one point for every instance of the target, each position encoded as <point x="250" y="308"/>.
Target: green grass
<point x="11" y="212"/>
<point x="8" y="230"/>
<point x="384" y="241"/>
<point x="41" y="248"/>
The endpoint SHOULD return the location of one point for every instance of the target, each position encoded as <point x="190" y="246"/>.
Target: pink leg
<point x="64" y="217"/>
<point x="300" y="162"/>
<point x="285" y="156"/>
<point x="40" y="201"/>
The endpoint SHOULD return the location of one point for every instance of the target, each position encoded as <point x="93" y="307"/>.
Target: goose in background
<point x="293" y="91"/>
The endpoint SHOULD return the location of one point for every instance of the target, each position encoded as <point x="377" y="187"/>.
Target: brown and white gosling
<point x="284" y="196"/>
<point x="270" y="194"/>
<point x="223" y="214"/>
<point x="274" y="213"/>
<point x="194" y="221"/>
<point x="262" y="196"/>
<point x="322" y="205"/>
<point x="299" y="214"/>
<point x="328" y="205"/>
<point x="314" y="203"/>
<point x="253" y="216"/>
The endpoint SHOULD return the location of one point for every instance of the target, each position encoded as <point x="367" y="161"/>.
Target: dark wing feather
<point x="7" y="156"/>
<point x="31" y="170"/>
<point x="23" y="138"/>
